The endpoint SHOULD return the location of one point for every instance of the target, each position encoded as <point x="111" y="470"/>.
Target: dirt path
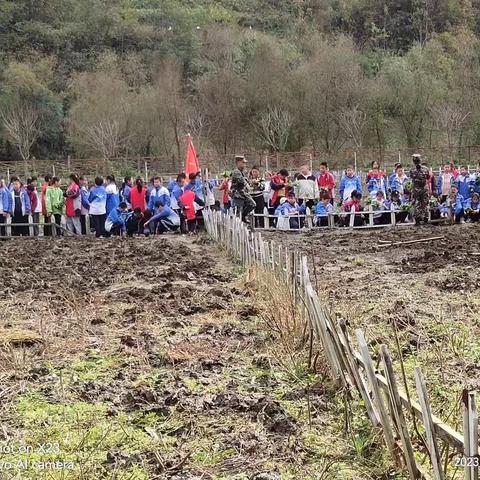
<point x="146" y="359"/>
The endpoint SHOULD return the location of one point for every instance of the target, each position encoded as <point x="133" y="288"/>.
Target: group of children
<point x="454" y="194"/>
<point x="136" y="207"/>
<point x="102" y="206"/>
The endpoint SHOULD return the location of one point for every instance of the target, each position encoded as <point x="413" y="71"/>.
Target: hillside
<point x="270" y="74"/>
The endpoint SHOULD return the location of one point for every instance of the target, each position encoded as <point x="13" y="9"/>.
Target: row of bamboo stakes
<point x="402" y="420"/>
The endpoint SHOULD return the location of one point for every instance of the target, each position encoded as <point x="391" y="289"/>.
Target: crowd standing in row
<point x="136" y="207"/>
<point x="454" y="193"/>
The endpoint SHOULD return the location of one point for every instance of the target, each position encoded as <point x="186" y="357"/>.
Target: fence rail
<point x="7" y="229"/>
<point x="370" y="219"/>
<point x="388" y="407"/>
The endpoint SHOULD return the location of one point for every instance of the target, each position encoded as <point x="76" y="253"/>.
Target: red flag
<point x="191" y="162"/>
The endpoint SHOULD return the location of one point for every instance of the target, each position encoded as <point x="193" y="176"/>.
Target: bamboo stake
<point x="409" y="242"/>
<point x="356" y="376"/>
<point x="377" y="394"/>
<point x="428" y="423"/>
<point x="466" y="434"/>
<point x="473" y="434"/>
<point x="398" y="412"/>
<point x="470" y="435"/>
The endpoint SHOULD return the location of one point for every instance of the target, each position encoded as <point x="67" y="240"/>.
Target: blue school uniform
<point x="116" y="218"/>
<point x="465" y="185"/>
<point x="158" y="194"/>
<point x="4" y="200"/>
<point x="168" y="215"/>
<point x="377" y="184"/>
<point x="348" y="185"/>
<point x="286" y="209"/>
<point x="112" y="198"/>
<point x="98" y="200"/>
<point x="24" y="201"/>
<point x="458" y="205"/>
<point x="322" y="210"/>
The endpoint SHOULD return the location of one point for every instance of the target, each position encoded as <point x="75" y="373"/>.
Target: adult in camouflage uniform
<point x="419" y="175"/>
<point x="239" y="191"/>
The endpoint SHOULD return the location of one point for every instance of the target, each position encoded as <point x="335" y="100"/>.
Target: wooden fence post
<point x="393" y="216"/>
<point x="357" y="377"/>
<point x="396" y="405"/>
<point x="370" y="215"/>
<point x="429" y="427"/>
<point x="473" y="433"/>
<point x="377" y="394"/>
<point x="470" y="435"/>
<point x="308" y="218"/>
<point x="331" y="220"/>
<point x="272" y="251"/>
<point x="352" y="216"/>
<point x="348" y="366"/>
<point x="266" y="218"/>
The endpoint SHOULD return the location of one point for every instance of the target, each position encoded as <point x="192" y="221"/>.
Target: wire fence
<point x="419" y="442"/>
<point x="216" y="163"/>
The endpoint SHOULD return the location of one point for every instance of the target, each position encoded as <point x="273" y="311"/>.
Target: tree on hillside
<point x="22" y="125"/>
<point x="353" y="123"/>
<point x="100" y="119"/>
<point x="273" y="128"/>
<point x="449" y="120"/>
<point x="170" y="98"/>
<point x="104" y="137"/>
<point x="413" y="83"/>
<point x="333" y="83"/>
<point x="199" y="126"/>
<point x="30" y="105"/>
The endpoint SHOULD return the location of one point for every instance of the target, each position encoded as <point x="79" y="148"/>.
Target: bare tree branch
<point x="104" y="137"/>
<point x="273" y="127"/>
<point x="449" y="119"/>
<point x="353" y="123"/>
<point x="21" y="122"/>
<point x="199" y="126"/>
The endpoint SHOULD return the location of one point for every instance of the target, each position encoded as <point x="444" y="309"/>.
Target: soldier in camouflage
<point x="239" y="191"/>
<point x="419" y="175"/>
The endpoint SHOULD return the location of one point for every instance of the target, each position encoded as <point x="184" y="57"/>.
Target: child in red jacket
<point x="225" y="187"/>
<point x="355" y="204"/>
<point x="187" y="202"/>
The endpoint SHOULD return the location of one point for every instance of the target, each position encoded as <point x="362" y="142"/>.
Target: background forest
<point x="118" y="77"/>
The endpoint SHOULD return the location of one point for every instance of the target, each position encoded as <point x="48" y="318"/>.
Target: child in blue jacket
<point x="97" y="201"/>
<point x="19" y="208"/>
<point x="4" y="206"/>
<point x="349" y="183"/>
<point x="113" y="198"/>
<point x="465" y="183"/>
<point x="454" y="205"/>
<point x="289" y="208"/>
<point x="322" y="209"/>
<point x="115" y="223"/>
<point x="472" y="207"/>
<point x="158" y="193"/>
<point x="164" y="220"/>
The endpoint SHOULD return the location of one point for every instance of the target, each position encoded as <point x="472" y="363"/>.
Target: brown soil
<point x="427" y="292"/>
<point x="160" y="335"/>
